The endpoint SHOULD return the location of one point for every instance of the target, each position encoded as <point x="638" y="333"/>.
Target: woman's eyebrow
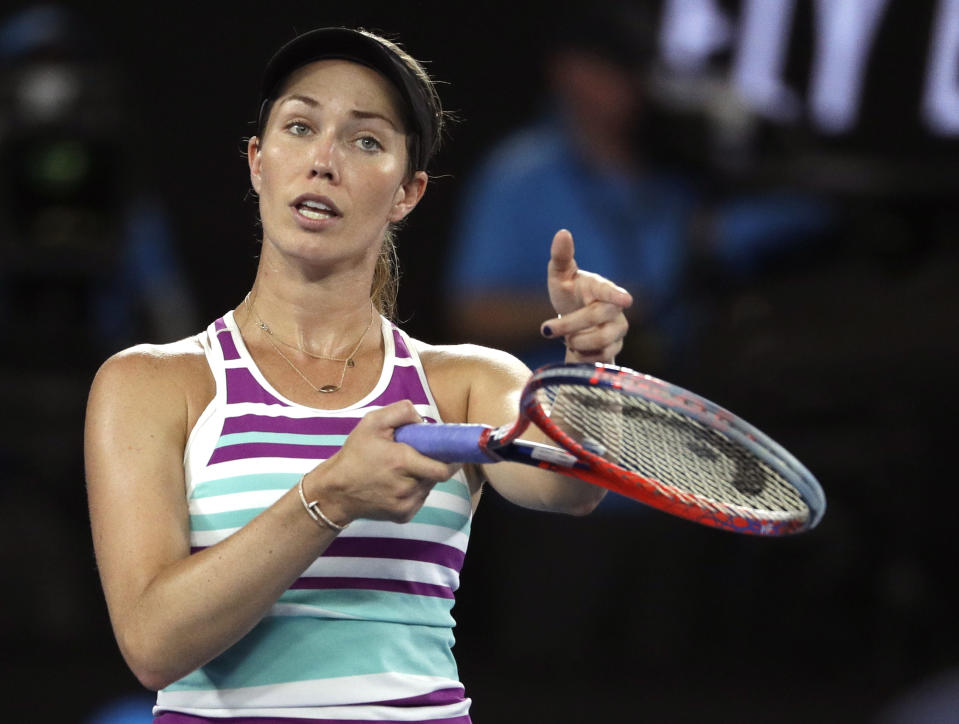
<point x="360" y="114"/>
<point x="307" y="100"/>
<point x="366" y="115"/>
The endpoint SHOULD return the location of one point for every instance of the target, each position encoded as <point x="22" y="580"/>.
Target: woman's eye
<point x="368" y="143"/>
<point x="298" y="129"/>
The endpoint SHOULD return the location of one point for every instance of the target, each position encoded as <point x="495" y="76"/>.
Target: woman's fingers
<point x="589" y="307"/>
<point x="593" y="287"/>
<point x="374" y="477"/>
<point x="594" y="316"/>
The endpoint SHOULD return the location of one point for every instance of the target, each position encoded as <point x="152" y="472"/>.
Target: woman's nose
<point x="325" y="159"/>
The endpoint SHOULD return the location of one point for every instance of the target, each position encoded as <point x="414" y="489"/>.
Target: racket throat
<point x="541" y="455"/>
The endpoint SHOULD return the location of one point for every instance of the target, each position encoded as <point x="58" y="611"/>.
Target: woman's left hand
<point x="590" y="308"/>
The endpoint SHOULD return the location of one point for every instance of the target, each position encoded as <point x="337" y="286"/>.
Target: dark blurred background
<point x="124" y="217"/>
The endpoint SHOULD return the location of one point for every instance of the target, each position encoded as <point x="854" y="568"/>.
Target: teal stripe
<point x="445" y="518"/>
<point x="284" y="481"/>
<point x="290" y="438"/>
<point x="245" y="484"/>
<point x="377" y="605"/>
<point x="304" y="649"/>
<point x="453" y="487"/>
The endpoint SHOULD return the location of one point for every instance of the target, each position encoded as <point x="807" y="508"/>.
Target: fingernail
<point x="547" y="330"/>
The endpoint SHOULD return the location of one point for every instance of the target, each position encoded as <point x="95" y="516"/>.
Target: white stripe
<point x="265" y="498"/>
<point x="391" y="569"/>
<point x="266" y="409"/>
<point x="235" y="468"/>
<point x="360" y="529"/>
<point x="407" y="531"/>
<point x="339" y="691"/>
<point x="448" y="501"/>
<point x="235" y="501"/>
<point x="355" y="713"/>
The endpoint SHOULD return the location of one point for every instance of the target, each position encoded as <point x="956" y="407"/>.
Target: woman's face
<point x="331" y="170"/>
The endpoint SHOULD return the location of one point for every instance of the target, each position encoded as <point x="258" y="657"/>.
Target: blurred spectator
<point x="590" y="163"/>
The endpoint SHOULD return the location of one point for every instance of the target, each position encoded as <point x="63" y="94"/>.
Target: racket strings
<point x="690" y="461"/>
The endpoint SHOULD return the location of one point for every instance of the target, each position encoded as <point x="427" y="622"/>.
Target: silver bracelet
<point x="315" y="513"/>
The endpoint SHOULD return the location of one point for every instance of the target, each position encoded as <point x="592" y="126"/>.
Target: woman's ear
<point x="253" y="159"/>
<point x="408" y="195"/>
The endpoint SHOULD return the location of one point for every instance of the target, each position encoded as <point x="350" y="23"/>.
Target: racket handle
<point x="449" y="443"/>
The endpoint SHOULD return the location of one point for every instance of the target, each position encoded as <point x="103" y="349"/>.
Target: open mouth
<point x="317" y="210"/>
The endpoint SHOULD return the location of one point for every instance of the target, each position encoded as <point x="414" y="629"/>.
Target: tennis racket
<point x="646" y="439"/>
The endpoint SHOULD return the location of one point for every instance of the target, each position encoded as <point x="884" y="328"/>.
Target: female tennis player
<point x="267" y="550"/>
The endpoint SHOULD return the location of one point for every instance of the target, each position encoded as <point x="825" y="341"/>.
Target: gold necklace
<point x="347" y="361"/>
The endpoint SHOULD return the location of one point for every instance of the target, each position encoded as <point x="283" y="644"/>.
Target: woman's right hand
<point x="372" y="476"/>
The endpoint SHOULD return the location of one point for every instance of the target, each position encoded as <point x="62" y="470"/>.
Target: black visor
<point x="420" y="108"/>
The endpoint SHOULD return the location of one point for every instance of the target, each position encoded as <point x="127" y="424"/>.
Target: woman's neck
<point x="322" y="317"/>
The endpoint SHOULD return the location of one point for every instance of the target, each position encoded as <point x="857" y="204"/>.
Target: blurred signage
<point x="844" y="42"/>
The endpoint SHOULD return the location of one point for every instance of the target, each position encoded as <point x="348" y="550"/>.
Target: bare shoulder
<point x="461" y="374"/>
<point x="467" y="356"/>
<point x="163" y="379"/>
<point x="175" y="363"/>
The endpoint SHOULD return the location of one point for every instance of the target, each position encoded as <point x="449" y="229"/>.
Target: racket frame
<point x="591" y="467"/>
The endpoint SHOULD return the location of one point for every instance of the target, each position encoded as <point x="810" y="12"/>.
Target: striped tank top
<point x="365" y="634"/>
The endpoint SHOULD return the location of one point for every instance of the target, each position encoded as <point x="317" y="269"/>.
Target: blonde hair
<point x="386" y="276"/>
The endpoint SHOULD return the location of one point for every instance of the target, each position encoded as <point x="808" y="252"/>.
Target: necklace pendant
<point x="350" y="362"/>
<point x="329" y="388"/>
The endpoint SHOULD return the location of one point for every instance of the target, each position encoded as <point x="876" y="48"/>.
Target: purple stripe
<point x="373" y="584"/>
<point x="397" y="548"/>
<point x="440" y="697"/>
<point x="304" y="426"/>
<point x="421" y="551"/>
<point x="404" y="385"/>
<point x="272" y="450"/>
<point x="400" y="349"/>
<point x="242" y="387"/>
<point x="175" y="717"/>
<point x="227" y="344"/>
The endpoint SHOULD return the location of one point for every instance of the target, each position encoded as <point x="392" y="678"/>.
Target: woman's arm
<point x="172" y="611"/>
<point x="496" y="383"/>
<point x="592" y="326"/>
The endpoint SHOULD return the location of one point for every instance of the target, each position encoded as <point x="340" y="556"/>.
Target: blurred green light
<point x="60" y="165"/>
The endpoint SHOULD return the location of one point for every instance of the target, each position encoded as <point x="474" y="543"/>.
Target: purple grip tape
<point x="449" y="443"/>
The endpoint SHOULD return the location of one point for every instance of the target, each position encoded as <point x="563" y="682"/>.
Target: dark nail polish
<point x="547" y="331"/>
